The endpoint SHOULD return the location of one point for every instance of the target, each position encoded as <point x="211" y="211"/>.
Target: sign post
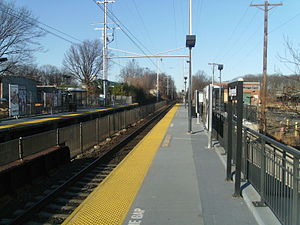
<point x="235" y="94"/>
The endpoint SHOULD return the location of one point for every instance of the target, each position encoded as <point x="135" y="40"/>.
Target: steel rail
<point x="21" y="219"/>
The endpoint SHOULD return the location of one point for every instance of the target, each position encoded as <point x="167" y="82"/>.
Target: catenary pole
<point x="104" y="52"/>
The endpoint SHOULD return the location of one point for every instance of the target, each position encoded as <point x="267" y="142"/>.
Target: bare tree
<point x="30" y="71"/>
<point x="290" y="90"/>
<point x="84" y="61"/>
<point x="200" y="80"/>
<point x="149" y="80"/>
<point x="51" y="75"/>
<point x="18" y="35"/>
<point x="132" y="73"/>
<point x="292" y="56"/>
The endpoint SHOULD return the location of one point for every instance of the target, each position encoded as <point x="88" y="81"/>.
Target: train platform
<point x="29" y="120"/>
<point x="171" y="178"/>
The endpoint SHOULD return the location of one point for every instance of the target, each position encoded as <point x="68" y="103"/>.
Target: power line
<point x="175" y="23"/>
<point x="246" y="42"/>
<point x="127" y="32"/>
<point x="198" y="13"/>
<point x="235" y="29"/>
<point x="31" y="21"/>
<point x="286" y="22"/>
<point x="142" y="20"/>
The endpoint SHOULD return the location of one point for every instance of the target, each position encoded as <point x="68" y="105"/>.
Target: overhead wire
<point x="284" y="23"/>
<point x="175" y="22"/>
<point x="127" y="32"/>
<point x="234" y="43"/>
<point x="198" y="13"/>
<point x="242" y="59"/>
<point x="15" y="14"/>
<point x="143" y="22"/>
<point x="256" y="46"/>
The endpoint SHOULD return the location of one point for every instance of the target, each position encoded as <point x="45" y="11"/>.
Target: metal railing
<point x="271" y="167"/>
<point x="79" y="137"/>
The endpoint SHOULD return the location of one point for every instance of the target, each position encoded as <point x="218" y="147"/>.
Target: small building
<point x="50" y="95"/>
<point x="20" y="92"/>
<point x="251" y="92"/>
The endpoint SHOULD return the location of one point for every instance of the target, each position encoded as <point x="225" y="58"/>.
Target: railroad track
<point x="61" y="199"/>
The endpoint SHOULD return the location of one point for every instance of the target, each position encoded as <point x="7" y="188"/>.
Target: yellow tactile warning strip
<point x="110" y="202"/>
<point x="60" y="117"/>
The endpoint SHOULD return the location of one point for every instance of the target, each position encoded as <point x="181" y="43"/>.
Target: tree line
<point x="20" y="33"/>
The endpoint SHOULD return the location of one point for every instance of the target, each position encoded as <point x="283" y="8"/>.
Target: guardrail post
<point x="284" y="167"/>
<point x="245" y="154"/>
<point x="124" y="118"/>
<point x="238" y="167"/>
<point x="108" y="123"/>
<point x="57" y="136"/>
<point x="21" y="153"/>
<point x="295" y="213"/>
<point x="97" y="131"/>
<point x="229" y="141"/>
<point x="119" y="121"/>
<point x="81" y="137"/>
<point x="262" y="203"/>
<point x="114" y="121"/>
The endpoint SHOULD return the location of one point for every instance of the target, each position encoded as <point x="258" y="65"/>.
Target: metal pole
<point x="190" y="73"/>
<point x="190" y="93"/>
<point x="220" y="93"/>
<point x="190" y="17"/>
<point x="238" y="169"/>
<point x="211" y="109"/>
<point x="229" y="138"/>
<point x="104" y="63"/>
<point x="295" y="209"/>
<point x="185" y="92"/>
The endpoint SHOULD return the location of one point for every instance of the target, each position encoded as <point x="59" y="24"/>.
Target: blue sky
<point x="228" y="32"/>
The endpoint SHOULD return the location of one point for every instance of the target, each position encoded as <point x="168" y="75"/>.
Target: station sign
<point x="232" y="92"/>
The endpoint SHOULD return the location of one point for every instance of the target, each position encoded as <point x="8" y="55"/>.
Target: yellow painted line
<point x="110" y="202"/>
<point x="59" y="117"/>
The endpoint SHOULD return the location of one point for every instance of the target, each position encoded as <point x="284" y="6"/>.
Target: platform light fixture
<point x="190" y="43"/>
<point x="220" y="68"/>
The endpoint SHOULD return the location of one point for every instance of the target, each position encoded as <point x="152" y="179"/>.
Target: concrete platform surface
<point x="186" y="184"/>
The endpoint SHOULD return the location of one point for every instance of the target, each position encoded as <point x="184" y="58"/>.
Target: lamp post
<point x="220" y="68"/>
<point x="185" y="78"/>
<point x="190" y="43"/>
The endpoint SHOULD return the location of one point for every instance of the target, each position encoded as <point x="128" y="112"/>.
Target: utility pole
<point x="104" y="51"/>
<point x="266" y="7"/>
